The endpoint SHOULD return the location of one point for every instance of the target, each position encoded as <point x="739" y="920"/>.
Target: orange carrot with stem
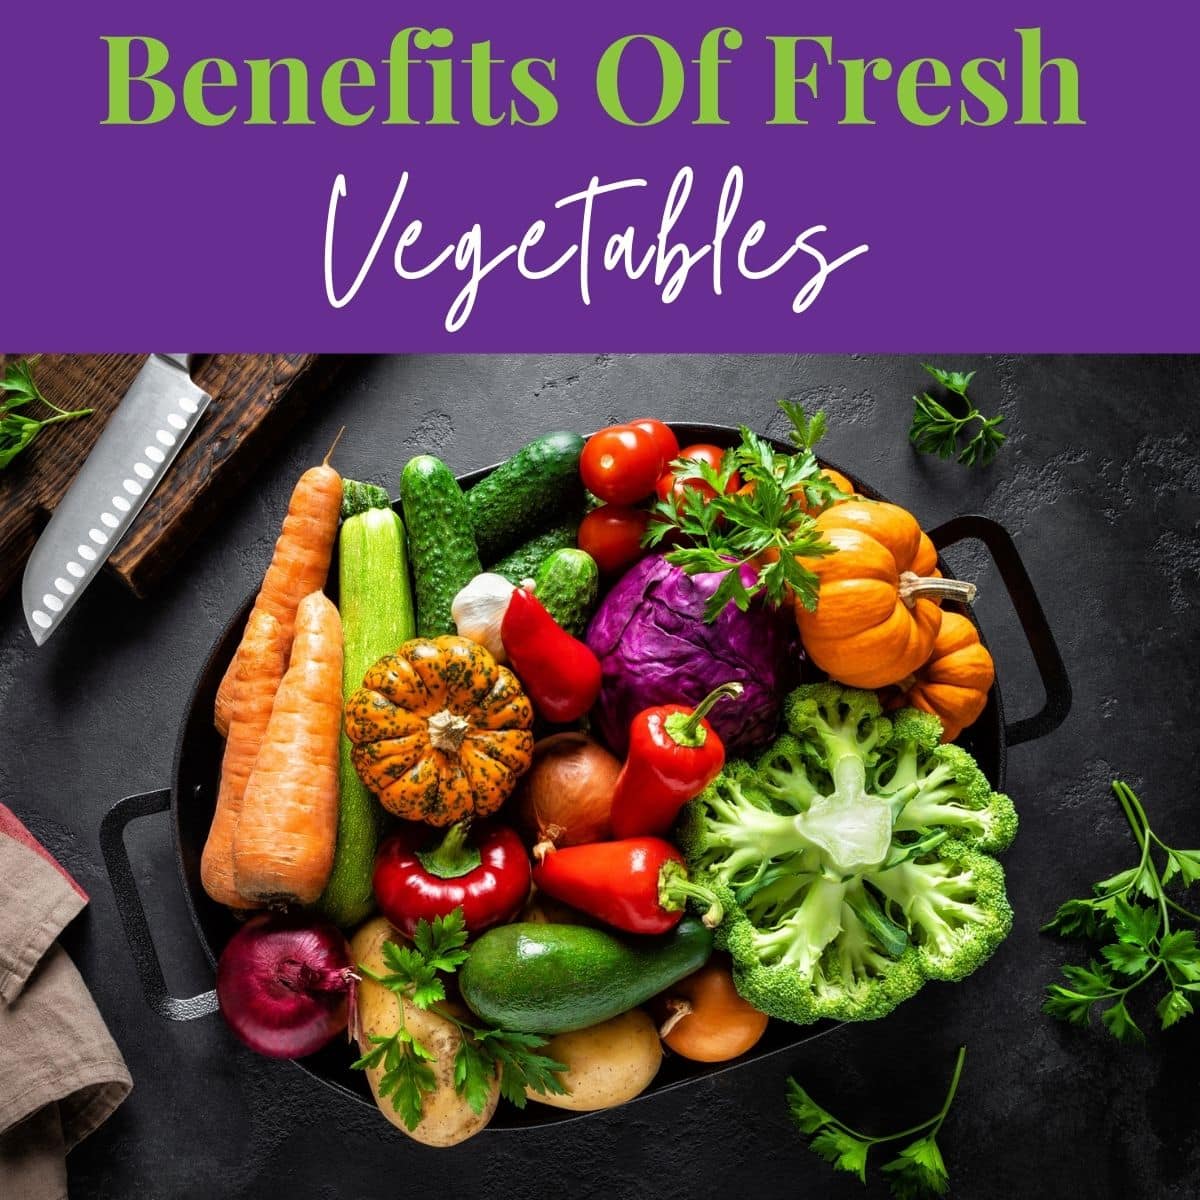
<point x="261" y="663"/>
<point x="287" y="830"/>
<point x="300" y="562"/>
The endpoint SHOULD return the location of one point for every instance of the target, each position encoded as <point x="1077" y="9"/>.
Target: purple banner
<point x="769" y="177"/>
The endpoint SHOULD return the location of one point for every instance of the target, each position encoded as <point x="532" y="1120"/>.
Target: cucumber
<point x="376" y="604"/>
<point x="510" y="504"/>
<point x="556" y="978"/>
<point x="525" y="561"/>
<point x="567" y="584"/>
<point x="440" y="542"/>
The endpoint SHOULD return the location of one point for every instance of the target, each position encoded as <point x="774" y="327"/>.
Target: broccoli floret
<point x="842" y="720"/>
<point x="852" y="859"/>
<point x="945" y="789"/>
<point x="955" y="906"/>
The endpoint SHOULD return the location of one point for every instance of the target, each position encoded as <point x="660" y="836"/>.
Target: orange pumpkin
<point x="954" y="683"/>
<point x="877" y="614"/>
<point x="440" y="731"/>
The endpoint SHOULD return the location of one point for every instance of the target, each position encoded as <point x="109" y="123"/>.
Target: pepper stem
<point x="452" y="858"/>
<point x="675" y="889"/>
<point x="685" y="728"/>
<point x="914" y="587"/>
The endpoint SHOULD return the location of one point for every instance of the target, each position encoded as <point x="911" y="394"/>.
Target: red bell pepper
<point x="558" y="672"/>
<point x="674" y="754"/>
<point x="488" y="880"/>
<point x="638" y="884"/>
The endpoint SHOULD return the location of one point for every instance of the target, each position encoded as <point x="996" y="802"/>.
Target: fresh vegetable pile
<point x="564" y="733"/>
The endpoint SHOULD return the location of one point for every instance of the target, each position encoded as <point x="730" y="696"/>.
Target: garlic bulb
<point x="479" y="608"/>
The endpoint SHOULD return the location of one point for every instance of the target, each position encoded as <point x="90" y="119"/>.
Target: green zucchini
<point x="550" y="979"/>
<point x="512" y="502"/>
<point x="525" y="561"/>
<point x="441" y="544"/>
<point x="567" y="584"/>
<point x="358" y="497"/>
<point x="375" y="601"/>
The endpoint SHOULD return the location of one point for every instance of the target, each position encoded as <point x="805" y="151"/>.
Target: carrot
<point x="260" y="666"/>
<point x="284" y="842"/>
<point x="299" y="565"/>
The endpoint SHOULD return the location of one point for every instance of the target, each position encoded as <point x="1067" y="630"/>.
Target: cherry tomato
<point x="620" y="464"/>
<point x="663" y="435"/>
<point x="613" y="536"/>
<point x="667" y="483"/>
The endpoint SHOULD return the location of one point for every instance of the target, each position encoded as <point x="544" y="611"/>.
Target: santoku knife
<point x="142" y="437"/>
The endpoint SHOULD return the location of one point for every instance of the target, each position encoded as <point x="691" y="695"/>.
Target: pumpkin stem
<point x="447" y="730"/>
<point x="914" y="587"/>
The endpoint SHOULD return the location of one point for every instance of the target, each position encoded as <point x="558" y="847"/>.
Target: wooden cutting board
<point x="256" y="397"/>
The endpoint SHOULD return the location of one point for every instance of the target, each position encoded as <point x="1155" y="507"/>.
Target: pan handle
<point x="133" y="915"/>
<point x="1033" y="621"/>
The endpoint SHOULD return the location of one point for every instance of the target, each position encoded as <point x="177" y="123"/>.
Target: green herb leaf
<point x="1077" y="919"/>
<point x="443" y="942"/>
<point x="918" y="1170"/>
<point x="1180" y="952"/>
<point x="806" y="1112"/>
<point x="1094" y="979"/>
<point x="18" y="430"/>
<point x="407" y="1082"/>
<point x="1187" y="863"/>
<point x="723" y="532"/>
<point x="1120" y="1024"/>
<point x="935" y="429"/>
<point x="842" y="1150"/>
<point x="474" y="1071"/>
<point x="521" y="1067"/>
<point x="1135" y="923"/>
<point x="1073" y="1007"/>
<point x="1137" y="939"/>
<point x="952" y="381"/>
<point x="1129" y="960"/>
<point x="806" y="431"/>
<point x="1173" y="1007"/>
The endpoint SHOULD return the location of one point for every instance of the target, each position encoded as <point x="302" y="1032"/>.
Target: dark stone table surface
<point x="1098" y="484"/>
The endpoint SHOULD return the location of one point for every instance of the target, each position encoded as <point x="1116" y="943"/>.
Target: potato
<point x="447" y="1118"/>
<point x="607" y="1064"/>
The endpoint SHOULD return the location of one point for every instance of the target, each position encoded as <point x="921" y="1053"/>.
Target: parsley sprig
<point x="18" y="429"/>
<point x="938" y="430"/>
<point x="415" y="975"/>
<point x="767" y="523"/>
<point x="1136" y="939"/>
<point x="917" y="1170"/>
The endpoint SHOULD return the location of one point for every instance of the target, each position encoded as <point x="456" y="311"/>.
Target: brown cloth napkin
<point x="61" y="1075"/>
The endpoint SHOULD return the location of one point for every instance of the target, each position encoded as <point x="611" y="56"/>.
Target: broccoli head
<point x="853" y="859"/>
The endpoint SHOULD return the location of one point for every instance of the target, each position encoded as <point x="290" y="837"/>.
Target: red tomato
<point x="663" y="435"/>
<point x="667" y="483"/>
<point x="620" y="464"/>
<point x="613" y="536"/>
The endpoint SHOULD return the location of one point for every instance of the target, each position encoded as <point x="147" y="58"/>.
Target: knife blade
<point x="146" y="431"/>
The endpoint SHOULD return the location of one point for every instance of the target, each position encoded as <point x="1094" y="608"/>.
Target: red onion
<point x="284" y="983"/>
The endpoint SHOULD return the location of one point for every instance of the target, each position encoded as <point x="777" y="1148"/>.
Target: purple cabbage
<point x="655" y="648"/>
